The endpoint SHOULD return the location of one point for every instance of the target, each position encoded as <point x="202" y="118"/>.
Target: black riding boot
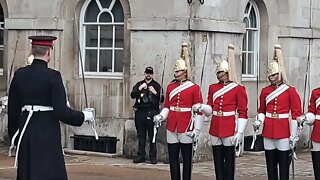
<point x="186" y="150"/>
<point x="315" y="155"/>
<point x="218" y="161"/>
<point x="284" y="159"/>
<point x="174" y="150"/>
<point x="272" y="162"/>
<point x="229" y="162"/>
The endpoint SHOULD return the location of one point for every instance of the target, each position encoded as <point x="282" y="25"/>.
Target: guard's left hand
<point x="237" y="139"/>
<point x="292" y="141"/>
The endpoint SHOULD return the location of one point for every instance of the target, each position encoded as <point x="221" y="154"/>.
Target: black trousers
<point x="224" y="162"/>
<point x="174" y="151"/>
<point x="315" y="155"/>
<point x="144" y="125"/>
<point x="274" y="158"/>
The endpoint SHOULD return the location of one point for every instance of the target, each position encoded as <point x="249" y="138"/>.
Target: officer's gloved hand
<point x="237" y="138"/>
<point x="197" y="108"/>
<point x="143" y="86"/>
<point x="89" y="115"/>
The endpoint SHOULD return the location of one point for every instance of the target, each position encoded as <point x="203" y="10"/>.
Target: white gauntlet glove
<point x="197" y="108"/>
<point x="308" y="119"/>
<point x="157" y="119"/>
<point x="258" y="122"/>
<point x="241" y="126"/>
<point x="294" y="136"/>
<point x="204" y="108"/>
<point x="89" y="115"/>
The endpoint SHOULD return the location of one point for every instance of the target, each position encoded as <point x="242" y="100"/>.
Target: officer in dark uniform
<point x="37" y="102"/>
<point x="147" y="95"/>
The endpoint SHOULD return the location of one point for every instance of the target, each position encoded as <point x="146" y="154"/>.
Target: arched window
<point x="250" y="46"/>
<point x="1" y="39"/>
<point x="101" y="33"/>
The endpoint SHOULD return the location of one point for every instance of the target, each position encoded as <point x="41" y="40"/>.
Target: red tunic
<point x="315" y="136"/>
<point x="289" y="100"/>
<point x="180" y="121"/>
<point x="233" y="100"/>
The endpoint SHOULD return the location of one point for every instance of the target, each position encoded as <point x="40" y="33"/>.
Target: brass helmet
<point x="183" y="63"/>
<point x="277" y="66"/>
<point x="29" y="60"/>
<point x="228" y="65"/>
<point x="180" y="65"/>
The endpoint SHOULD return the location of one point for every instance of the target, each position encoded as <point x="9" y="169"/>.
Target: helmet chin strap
<point x="176" y="77"/>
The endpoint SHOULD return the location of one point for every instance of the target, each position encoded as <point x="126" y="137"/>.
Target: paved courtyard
<point x="84" y="167"/>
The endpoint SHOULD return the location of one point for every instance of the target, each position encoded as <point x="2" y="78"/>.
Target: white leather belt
<point x="36" y="108"/>
<point x="31" y="109"/>
<point x="318" y="117"/>
<point x="221" y="113"/>
<point x="179" y="109"/>
<point x="277" y="116"/>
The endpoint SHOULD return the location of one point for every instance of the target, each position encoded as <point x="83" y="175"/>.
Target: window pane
<point x="92" y="36"/>
<point x="244" y="63"/>
<point x="105" y="3"/>
<point x="92" y="12"/>
<point x="253" y="19"/>
<point x="246" y="21"/>
<point x="119" y="36"/>
<point x="251" y="40"/>
<point x="91" y="60"/>
<point x="1" y="58"/>
<point x="106" y="36"/>
<point x="250" y="63"/>
<point x="1" y="14"/>
<point x="247" y="8"/>
<point x="105" y="17"/>
<point x="1" y="37"/>
<point x="244" y="42"/>
<point x="105" y="61"/>
<point x="118" y="12"/>
<point x="118" y="61"/>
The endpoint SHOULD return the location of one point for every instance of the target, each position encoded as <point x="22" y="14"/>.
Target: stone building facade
<point x="117" y="39"/>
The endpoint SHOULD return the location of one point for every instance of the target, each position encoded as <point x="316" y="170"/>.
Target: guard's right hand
<point x="301" y="120"/>
<point x="89" y="115"/>
<point x="143" y="86"/>
<point x="197" y="108"/>
<point x="256" y="124"/>
<point x="157" y="118"/>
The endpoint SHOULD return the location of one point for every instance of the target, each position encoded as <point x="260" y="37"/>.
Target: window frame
<point x="2" y="47"/>
<point x="82" y="40"/>
<point x="256" y="34"/>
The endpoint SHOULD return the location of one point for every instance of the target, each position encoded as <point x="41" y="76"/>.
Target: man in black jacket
<point x="147" y="94"/>
<point x="37" y="102"/>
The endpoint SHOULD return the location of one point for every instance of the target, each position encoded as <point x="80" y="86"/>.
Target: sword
<point x="156" y="123"/>
<point x="155" y="131"/>
<point x="93" y="126"/>
<point x="294" y="156"/>
<point x="255" y="133"/>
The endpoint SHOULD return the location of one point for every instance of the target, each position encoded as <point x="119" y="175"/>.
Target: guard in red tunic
<point x="312" y="118"/>
<point x="279" y="131"/>
<point x="181" y="95"/>
<point x="226" y="99"/>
